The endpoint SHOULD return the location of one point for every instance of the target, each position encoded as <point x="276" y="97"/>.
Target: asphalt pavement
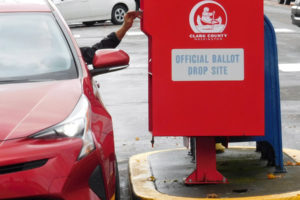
<point x="125" y="93"/>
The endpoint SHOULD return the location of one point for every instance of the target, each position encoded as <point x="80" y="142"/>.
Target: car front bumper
<point x="295" y="15"/>
<point x="46" y="169"/>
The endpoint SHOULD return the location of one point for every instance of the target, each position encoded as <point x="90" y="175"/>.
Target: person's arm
<point x="112" y="40"/>
<point x="128" y="21"/>
<point x="109" y="42"/>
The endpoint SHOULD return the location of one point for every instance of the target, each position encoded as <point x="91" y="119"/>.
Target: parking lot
<point x="125" y="93"/>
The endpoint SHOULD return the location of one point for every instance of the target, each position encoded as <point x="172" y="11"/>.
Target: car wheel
<point x="89" y="23"/>
<point x="117" y="194"/>
<point x="118" y="13"/>
<point x="280" y="1"/>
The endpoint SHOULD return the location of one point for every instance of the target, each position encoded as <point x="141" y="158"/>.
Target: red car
<point x="56" y="137"/>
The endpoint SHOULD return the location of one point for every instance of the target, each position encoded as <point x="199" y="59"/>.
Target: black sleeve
<point x="109" y="42"/>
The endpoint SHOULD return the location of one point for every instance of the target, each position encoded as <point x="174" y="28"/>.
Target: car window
<point x="32" y="46"/>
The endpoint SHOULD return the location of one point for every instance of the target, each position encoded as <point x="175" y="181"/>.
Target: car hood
<point x="26" y="108"/>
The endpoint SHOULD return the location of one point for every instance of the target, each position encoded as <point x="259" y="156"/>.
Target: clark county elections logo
<point x="208" y="17"/>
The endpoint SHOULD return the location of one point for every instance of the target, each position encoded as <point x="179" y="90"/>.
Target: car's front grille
<point x="22" y="166"/>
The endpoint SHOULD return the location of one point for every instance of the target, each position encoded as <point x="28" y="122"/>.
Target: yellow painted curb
<point x="143" y="187"/>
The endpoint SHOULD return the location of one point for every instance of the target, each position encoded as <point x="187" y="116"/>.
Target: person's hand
<point x="128" y="21"/>
<point x="129" y="18"/>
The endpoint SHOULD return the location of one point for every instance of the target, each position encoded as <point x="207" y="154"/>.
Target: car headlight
<point x="78" y="124"/>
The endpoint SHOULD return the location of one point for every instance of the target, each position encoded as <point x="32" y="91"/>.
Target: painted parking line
<point x="134" y="33"/>
<point x="76" y="36"/>
<point x="291" y="67"/>
<point x="283" y="30"/>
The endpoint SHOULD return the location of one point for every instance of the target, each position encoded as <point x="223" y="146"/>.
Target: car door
<point x="74" y="10"/>
<point x="101" y="9"/>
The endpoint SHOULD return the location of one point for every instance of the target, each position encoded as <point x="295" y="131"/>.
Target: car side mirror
<point x="109" y="60"/>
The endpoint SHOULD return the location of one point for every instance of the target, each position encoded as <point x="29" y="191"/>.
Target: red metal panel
<point x="206" y="64"/>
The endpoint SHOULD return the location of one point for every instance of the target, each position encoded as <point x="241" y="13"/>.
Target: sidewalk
<point x="160" y="175"/>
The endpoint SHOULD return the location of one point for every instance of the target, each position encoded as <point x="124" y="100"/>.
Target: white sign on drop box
<point x="207" y="64"/>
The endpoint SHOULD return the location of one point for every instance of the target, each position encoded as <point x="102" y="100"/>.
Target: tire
<point x="89" y="23"/>
<point x="117" y="194"/>
<point x="280" y="1"/>
<point x="118" y="13"/>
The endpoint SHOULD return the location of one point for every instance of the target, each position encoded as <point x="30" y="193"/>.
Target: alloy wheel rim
<point x="119" y="14"/>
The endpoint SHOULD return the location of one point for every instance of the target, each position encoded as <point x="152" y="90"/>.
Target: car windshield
<point x="33" y="47"/>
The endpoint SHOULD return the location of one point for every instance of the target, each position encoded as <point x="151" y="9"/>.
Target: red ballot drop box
<point x="206" y="68"/>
